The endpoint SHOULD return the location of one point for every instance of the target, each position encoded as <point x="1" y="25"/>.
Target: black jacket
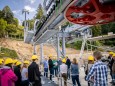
<point x="68" y="63"/>
<point x="50" y="63"/>
<point x="33" y="70"/>
<point x="18" y="74"/>
<point x="111" y="61"/>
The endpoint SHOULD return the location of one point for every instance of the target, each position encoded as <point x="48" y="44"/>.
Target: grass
<point x="5" y="52"/>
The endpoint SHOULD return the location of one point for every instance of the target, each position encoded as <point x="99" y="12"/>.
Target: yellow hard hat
<point x="14" y="61"/>
<point x="111" y="53"/>
<point x="8" y="61"/>
<point x="64" y="61"/>
<point x="1" y="60"/>
<point x="91" y="58"/>
<point x="18" y="63"/>
<point x="34" y="57"/>
<point x="26" y="62"/>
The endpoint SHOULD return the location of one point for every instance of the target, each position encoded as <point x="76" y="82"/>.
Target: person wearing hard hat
<point x="68" y="63"/>
<point x="55" y="67"/>
<point x="14" y="63"/>
<point x="63" y="71"/>
<point x="17" y="71"/>
<point x="98" y="72"/>
<point x="34" y="73"/>
<point x="7" y="76"/>
<point x="88" y="66"/>
<point x="113" y="69"/>
<point x="75" y="72"/>
<point x="24" y="74"/>
<point x="45" y="64"/>
<point x="111" y="61"/>
<point x="59" y="63"/>
<point x="1" y="63"/>
<point x="50" y="62"/>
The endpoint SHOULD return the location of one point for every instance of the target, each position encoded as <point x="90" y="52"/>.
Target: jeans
<point x="51" y="73"/>
<point x="56" y="71"/>
<point x="76" y="79"/>
<point x="113" y="76"/>
<point x="68" y="73"/>
<point x="46" y="72"/>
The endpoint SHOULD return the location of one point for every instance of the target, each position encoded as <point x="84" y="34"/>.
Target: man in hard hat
<point x="34" y="73"/>
<point x="88" y="66"/>
<point x="111" y="61"/>
<point x="113" y="69"/>
<point x="45" y="64"/>
<point x="50" y="62"/>
<point x="17" y="71"/>
<point x="98" y="71"/>
<point x="63" y="71"/>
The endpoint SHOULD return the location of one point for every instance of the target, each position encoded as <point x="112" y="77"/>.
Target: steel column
<point x="58" y="46"/>
<point x="63" y="43"/>
<point x="41" y="52"/>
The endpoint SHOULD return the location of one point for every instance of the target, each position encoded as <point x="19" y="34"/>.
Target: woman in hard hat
<point x="7" y="76"/>
<point x="17" y="71"/>
<point x="111" y="61"/>
<point x="24" y="74"/>
<point x="75" y="72"/>
<point x="113" y="69"/>
<point x="63" y="71"/>
<point x="88" y="66"/>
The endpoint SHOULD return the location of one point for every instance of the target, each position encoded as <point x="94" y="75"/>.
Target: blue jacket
<point x="74" y="69"/>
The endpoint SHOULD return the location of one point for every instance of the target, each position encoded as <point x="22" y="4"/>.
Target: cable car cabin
<point x="91" y="12"/>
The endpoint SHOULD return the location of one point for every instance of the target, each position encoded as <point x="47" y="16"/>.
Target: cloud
<point x="30" y="9"/>
<point x="16" y="11"/>
<point x="32" y="1"/>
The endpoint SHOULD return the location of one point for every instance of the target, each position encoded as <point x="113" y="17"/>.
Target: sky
<point x="18" y="5"/>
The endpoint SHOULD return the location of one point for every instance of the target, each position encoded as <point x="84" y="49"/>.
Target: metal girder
<point x="102" y="37"/>
<point x="66" y="34"/>
<point x="45" y="36"/>
<point x="28" y="36"/>
<point x="54" y="19"/>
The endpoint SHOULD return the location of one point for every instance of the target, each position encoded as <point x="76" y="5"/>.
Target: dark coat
<point x="50" y="63"/>
<point x="18" y="74"/>
<point x="111" y="61"/>
<point x="68" y="63"/>
<point x="34" y="73"/>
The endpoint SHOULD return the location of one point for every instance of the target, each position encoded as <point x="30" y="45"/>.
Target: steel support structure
<point x="63" y="43"/>
<point x="58" y="46"/>
<point x="41" y="53"/>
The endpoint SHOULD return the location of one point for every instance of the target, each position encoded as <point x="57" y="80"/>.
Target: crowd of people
<point x="17" y="73"/>
<point x="96" y="69"/>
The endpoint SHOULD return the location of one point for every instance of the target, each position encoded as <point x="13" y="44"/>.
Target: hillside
<point x="25" y="51"/>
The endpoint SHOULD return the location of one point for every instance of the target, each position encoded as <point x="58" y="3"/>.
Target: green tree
<point x="1" y="14"/>
<point x="96" y="30"/>
<point x="15" y="22"/>
<point x="11" y="28"/>
<point x="3" y="25"/>
<point x="7" y="14"/>
<point x="39" y="12"/>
